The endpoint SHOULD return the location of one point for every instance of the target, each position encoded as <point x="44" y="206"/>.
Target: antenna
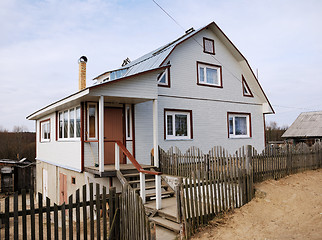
<point x="257" y="73"/>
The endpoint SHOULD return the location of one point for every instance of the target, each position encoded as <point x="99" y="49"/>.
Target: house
<point x="198" y="90"/>
<point x="306" y="128"/>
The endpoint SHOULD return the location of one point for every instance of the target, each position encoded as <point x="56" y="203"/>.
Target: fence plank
<point x="56" y="221"/>
<point x="40" y="216"/>
<point x="77" y="215"/>
<point x="104" y="214"/>
<point x="16" y="220"/>
<point x="63" y="220"/>
<point x="32" y="215"/>
<point x="91" y="210"/>
<point x="24" y="216"/>
<point x="70" y="217"/>
<point x="48" y="218"/>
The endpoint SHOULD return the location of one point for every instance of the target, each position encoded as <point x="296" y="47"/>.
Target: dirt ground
<point x="290" y="208"/>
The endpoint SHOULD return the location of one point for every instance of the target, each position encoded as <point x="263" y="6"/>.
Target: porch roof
<point x="134" y="89"/>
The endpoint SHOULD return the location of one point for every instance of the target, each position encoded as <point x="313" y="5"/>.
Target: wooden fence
<point x="83" y="217"/>
<point x="217" y="181"/>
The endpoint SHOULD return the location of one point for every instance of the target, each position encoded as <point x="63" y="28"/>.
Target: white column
<point x="158" y="191"/>
<point x="101" y="134"/>
<point x="117" y="157"/>
<point x="142" y="187"/>
<point x="155" y="133"/>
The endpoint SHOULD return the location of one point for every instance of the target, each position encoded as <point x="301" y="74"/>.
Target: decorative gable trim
<point x="246" y="90"/>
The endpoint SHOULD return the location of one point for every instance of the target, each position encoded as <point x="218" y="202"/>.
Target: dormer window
<point x="208" y="45"/>
<point x="246" y="90"/>
<point x="164" y="78"/>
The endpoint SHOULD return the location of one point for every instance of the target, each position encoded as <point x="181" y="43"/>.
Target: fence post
<point x="142" y="187"/>
<point x="178" y="198"/>
<point x="248" y="158"/>
<point x="158" y="191"/>
<point x="117" y="157"/>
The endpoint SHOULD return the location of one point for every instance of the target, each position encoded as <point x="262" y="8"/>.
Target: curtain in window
<point x="240" y="126"/>
<point x="169" y="125"/>
<point x="201" y="74"/>
<point x="231" y="125"/>
<point x="181" y="125"/>
<point x="211" y="75"/>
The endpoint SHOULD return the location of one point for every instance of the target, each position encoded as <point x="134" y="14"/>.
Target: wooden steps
<point x="168" y="224"/>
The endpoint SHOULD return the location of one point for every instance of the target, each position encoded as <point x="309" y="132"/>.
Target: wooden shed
<point x="16" y="175"/>
<point x="306" y="128"/>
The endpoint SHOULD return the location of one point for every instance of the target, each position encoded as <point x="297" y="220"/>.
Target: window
<point x="208" y="46"/>
<point x="164" y="78"/>
<point x="73" y="180"/>
<point x="178" y="124"/>
<point x="246" y="90"/>
<point x="92" y="121"/>
<point x="128" y="123"/>
<point x="69" y="123"/>
<point x="209" y="75"/>
<point x="239" y="125"/>
<point x="45" y="130"/>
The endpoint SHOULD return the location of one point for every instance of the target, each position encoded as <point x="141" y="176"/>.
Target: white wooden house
<point x="198" y="90"/>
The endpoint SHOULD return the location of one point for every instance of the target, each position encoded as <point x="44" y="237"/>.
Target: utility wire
<point x="218" y="60"/>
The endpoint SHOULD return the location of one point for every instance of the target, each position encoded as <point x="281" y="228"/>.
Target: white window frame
<point x="128" y="122"/>
<point x="96" y="125"/>
<point x="45" y="125"/>
<point x="168" y="112"/>
<point x="203" y="81"/>
<point x="248" y="122"/>
<point x="68" y="138"/>
<point x="165" y="73"/>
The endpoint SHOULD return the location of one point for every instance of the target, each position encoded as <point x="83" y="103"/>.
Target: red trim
<point x="205" y="84"/>
<point x="82" y="135"/>
<point x="45" y="120"/>
<point x="176" y="110"/>
<point x="213" y="46"/>
<point x="133" y="131"/>
<point x="244" y="83"/>
<point x="240" y="113"/>
<point x="168" y="76"/>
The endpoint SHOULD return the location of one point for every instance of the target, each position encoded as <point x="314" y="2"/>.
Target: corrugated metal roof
<point x="307" y="124"/>
<point x="152" y="59"/>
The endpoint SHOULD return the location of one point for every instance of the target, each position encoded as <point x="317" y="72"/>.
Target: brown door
<point x="62" y="188"/>
<point x="113" y="130"/>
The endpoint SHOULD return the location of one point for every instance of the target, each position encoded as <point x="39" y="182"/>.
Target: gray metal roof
<point x="307" y="124"/>
<point x="153" y="59"/>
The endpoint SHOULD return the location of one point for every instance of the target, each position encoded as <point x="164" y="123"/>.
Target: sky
<point x="42" y="40"/>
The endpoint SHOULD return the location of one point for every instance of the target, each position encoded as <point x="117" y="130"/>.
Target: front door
<point x="113" y="130"/>
<point x="62" y="188"/>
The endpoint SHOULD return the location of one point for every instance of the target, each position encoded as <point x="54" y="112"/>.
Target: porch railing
<point x="119" y="146"/>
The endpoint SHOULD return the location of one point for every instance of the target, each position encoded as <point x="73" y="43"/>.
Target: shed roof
<point x="307" y="124"/>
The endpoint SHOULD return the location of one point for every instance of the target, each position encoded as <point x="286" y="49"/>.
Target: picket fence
<point x="80" y="218"/>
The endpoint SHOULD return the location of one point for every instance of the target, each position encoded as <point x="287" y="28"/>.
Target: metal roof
<point x="307" y="124"/>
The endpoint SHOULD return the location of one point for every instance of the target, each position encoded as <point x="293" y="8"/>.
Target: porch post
<point x="101" y="134"/>
<point x="155" y="133"/>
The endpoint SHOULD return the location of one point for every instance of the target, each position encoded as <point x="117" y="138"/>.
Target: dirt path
<point x="290" y="208"/>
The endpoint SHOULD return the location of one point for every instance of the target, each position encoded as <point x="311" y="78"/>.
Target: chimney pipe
<point x="82" y="73"/>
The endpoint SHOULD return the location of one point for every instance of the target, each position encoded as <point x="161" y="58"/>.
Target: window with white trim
<point x="208" y="45"/>
<point x="209" y="75"/>
<point x="239" y="125"/>
<point x="128" y="122"/>
<point x="69" y="123"/>
<point x="45" y="130"/>
<point x="178" y="125"/>
<point x="92" y="121"/>
<point x="163" y="78"/>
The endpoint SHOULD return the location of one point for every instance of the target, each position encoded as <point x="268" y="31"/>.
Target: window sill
<point x="240" y="137"/>
<point x="179" y="139"/>
<point x="69" y="140"/>
<point x="209" y="85"/>
<point x="44" y="141"/>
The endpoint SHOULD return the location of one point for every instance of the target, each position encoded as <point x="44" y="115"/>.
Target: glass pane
<point x="65" y="124"/>
<point x="91" y="120"/>
<point x="212" y="76"/>
<point x="48" y="130"/>
<point x="181" y="125"/>
<point x="71" y="123"/>
<point x="60" y="125"/>
<point x="240" y="126"/>
<point x="209" y="46"/>
<point x="231" y="125"/>
<point x="169" y="125"/>
<point x="78" y="121"/>
<point x="162" y="79"/>
<point x="201" y="74"/>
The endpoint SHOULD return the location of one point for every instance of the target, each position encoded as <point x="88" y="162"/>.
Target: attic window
<point x="164" y="78"/>
<point x="246" y="90"/>
<point x="208" y="45"/>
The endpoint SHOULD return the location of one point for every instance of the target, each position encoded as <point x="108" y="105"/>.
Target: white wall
<point x="63" y="153"/>
<point x="209" y="106"/>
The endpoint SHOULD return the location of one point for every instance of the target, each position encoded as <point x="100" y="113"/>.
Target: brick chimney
<point x="82" y="73"/>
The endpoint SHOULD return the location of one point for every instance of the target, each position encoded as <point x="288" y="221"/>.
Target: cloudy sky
<point x="41" y="41"/>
